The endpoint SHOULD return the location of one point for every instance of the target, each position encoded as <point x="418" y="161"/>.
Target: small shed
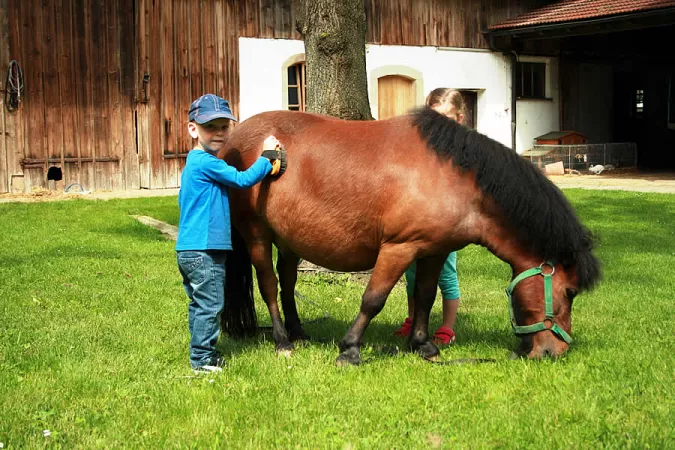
<point x="561" y="138"/>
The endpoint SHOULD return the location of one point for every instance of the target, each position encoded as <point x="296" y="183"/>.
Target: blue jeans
<point x="203" y="274"/>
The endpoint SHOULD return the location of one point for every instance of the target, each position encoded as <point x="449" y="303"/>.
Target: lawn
<point x="93" y="347"/>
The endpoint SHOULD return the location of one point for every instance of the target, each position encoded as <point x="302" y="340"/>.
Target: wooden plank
<point x="221" y="34"/>
<point x="63" y="15"/>
<point x="99" y="94"/>
<point x="287" y="25"/>
<point x="249" y="19"/>
<point x="15" y="121"/>
<point x="33" y="99"/>
<point x="183" y="88"/>
<point x="115" y="131"/>
<point x="279" y="31"/>
<point x="155" y="125"/>
<point x="407" y="35"/>
<point x="232" y="58"/>
<point x="53" y="114"/>
<point x="195" y="55"/>
<point x="168" y="82"/>
<point x="372" y="21"/>
<point x="4" y="61"/>
<point x="144" y="40"/>
<point x="168" y="96"/>
<point x="128" y="69"/>
<point x="208" y="46"/>
<point x="82" y="73"/>
<point x="420" y="16"/>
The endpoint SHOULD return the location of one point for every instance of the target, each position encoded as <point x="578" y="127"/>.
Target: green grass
<point x="93" y="347"/>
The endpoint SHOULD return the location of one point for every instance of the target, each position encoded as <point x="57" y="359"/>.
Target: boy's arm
<point x="223" y="173"/>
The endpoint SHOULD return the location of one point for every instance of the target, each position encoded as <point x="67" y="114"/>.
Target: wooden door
<point x="470" y="103"/>
<point x="396" y="96"/>
<point x="76" y="110"/>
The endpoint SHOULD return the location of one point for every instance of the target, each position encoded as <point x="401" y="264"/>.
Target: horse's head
<point x="540" y="302"/>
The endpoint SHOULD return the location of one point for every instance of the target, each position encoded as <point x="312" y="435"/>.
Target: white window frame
<point x="293" y="60"/>
<point x="548" y="93"/>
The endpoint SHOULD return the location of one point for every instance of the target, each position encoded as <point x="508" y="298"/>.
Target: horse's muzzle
<point x="541" y="345"/>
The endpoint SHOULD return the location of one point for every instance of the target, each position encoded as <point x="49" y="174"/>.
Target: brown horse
<point x="382" y="194"/>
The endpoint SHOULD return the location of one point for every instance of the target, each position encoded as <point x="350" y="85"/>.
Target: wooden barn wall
<point x="74" y="111"/>
<point x="108" y="83"/>
<point x="187" y="48"/>
<point x="442" y="23"/>
<point x="107" y="87"/>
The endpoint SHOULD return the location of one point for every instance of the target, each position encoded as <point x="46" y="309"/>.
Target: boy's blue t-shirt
<point x="204" y="222"/>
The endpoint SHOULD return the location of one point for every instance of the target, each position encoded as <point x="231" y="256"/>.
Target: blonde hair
<point x="446" y="95"/>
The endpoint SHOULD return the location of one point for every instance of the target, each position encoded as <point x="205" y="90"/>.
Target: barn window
<point x="639" y="102"/>
<point x="531" y="80"/>
<point x="296" y="86"/>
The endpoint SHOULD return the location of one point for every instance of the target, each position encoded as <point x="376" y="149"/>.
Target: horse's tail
<point x="238" y="319"/>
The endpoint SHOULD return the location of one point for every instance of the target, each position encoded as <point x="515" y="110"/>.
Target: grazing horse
<point x="382" y="194"/>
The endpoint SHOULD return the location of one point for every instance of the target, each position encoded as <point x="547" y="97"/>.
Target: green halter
<point x="549" y="322"/>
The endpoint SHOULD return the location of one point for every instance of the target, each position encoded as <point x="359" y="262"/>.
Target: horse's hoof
<point x="350" y="357"/>
<point x="428" y="351"/>
<point x="286" y="353"/>
<point x="343" y="361"/>
<point x="285" y="350"/>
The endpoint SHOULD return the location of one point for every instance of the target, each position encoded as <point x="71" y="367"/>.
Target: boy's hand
<point x="275" y="152"/>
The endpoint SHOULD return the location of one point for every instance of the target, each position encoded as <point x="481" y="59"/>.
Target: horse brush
<point x="275" y="151"/>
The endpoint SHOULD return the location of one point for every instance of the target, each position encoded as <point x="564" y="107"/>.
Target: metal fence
<point x="581" y="157"/>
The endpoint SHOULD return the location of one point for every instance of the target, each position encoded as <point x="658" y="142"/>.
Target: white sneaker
<point x="214" y="365"/>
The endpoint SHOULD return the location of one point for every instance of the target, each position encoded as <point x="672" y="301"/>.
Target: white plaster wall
<point x="486" y="72"/>
<point x="260" y="73"/>
<point x="537" y="117"/>
<point x="261" y="62"/>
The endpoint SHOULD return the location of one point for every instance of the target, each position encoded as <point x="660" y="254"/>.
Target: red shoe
<point x="444" y="336"/>
<point x="404" y="331"/>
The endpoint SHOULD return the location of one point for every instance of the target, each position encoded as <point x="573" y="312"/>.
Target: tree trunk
<point x="335" y="50"/>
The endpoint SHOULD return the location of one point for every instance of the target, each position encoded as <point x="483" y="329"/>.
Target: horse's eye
<point x="571" y="293"/>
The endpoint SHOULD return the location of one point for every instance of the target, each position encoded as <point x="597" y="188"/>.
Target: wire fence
<point x="583" y="156"/>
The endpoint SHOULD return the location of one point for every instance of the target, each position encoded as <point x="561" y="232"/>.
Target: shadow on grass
<point x="56" y="252"/>
<point x="379" y="340"/>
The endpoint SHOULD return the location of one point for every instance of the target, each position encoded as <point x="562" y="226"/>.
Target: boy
<point x="204" y="224"/>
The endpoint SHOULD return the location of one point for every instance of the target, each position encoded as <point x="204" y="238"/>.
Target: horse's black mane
<point x="535" y="208"/>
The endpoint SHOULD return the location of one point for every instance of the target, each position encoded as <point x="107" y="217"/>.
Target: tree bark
<point x="334" y="32"/>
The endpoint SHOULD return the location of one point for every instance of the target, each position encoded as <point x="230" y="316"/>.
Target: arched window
<point x="296" y="86"/>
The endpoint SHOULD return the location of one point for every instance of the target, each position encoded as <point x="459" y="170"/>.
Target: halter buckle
<point x="547" y="263"/>
<point x="548" y="323"/>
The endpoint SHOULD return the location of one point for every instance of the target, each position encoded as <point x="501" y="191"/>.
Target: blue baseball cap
<point x="209" y="107"/>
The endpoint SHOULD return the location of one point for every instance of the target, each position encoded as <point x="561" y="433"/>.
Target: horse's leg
<point x="261" y="257"/>
<point x="287" y="268"/>
<point x="390" y="265"/>
<point x="426" y="280"/>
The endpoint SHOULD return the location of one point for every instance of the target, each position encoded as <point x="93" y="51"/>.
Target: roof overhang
<point x="600" y="25"/>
